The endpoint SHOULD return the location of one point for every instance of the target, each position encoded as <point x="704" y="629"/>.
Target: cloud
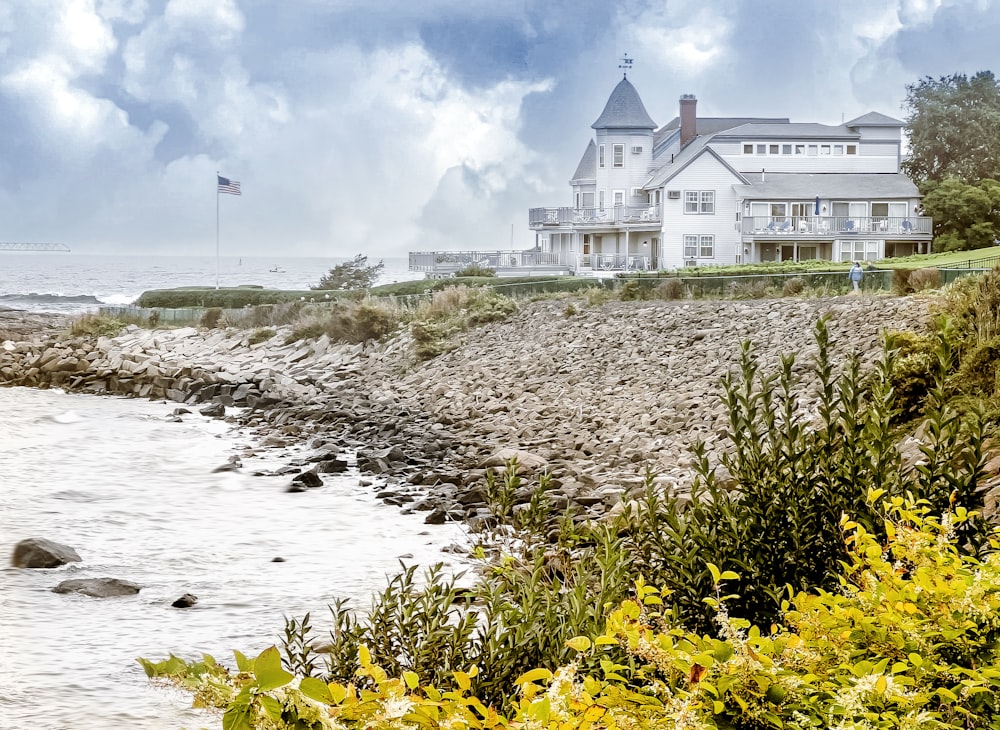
<point x="381" y="127"/>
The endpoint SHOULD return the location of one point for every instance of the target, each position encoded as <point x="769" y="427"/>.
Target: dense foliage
<point x="884" y="619"/>
<point x="953" y="126"/>
<point x="354" y="274"/>
<point x="909" y="639"/>
<point x="966" y="216"/>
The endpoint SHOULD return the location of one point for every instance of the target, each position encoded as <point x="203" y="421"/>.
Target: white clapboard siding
<point x="704" y="173"/>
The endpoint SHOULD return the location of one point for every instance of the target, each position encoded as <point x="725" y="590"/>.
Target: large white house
<point x="718" y="191"/>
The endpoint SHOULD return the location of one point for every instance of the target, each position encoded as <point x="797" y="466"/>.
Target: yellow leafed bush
<point x="911" y="640"/>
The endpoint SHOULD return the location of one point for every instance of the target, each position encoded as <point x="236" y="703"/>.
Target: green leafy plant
<point x="476" y="270"/>
<point x="261" y="335"/>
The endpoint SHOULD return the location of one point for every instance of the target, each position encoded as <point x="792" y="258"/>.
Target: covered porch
<point x="610" y="250"/>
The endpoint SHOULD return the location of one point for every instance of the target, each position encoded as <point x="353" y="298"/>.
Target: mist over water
<point x="135" y="495"/>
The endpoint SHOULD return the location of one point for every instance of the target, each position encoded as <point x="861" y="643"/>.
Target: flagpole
<point x="216" y="229"/>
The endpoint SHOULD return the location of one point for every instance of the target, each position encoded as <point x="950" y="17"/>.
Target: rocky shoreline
<point x="595" y="396"/>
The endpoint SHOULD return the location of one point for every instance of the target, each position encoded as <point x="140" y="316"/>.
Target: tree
<point x="353" y="274"/>
<point x="953" y="124"/>
<point x="965" y="216"/>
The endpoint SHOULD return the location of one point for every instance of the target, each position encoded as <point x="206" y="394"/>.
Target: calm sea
<point x="76" y="283"/>
<point x="135" y="494"/>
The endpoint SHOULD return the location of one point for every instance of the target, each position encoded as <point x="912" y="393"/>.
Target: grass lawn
<point x="950" y="258"/>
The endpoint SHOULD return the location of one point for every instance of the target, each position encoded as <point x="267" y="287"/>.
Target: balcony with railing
<point x="542" y="218"/>
<point x="762" y="226"/>
<point x="448" y="262"/>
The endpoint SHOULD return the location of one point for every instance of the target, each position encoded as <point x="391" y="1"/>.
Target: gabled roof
<point x="588" y="163"/>
<point x="624" y="110"/>
<point x="695" y="149"/>
<point x="792" y="130"/>
<point x="874" y="119"/>
<point x="845" y="186"/>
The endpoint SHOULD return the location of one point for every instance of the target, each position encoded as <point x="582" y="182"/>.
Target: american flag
<point x="228" y="186"/>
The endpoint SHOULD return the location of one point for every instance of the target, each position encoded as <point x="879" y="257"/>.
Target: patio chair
<point x="849" y="227"/>
<point x="785" y="227"/>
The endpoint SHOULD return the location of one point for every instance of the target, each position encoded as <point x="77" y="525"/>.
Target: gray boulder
<point x="37" y="552"/>
<point x="185" y="601"/>
<point x="215" y="410"/>
<point x="98" y="587"/>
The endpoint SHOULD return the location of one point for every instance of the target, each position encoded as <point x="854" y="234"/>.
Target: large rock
<point x="98" y="587"/>
<point x="525" y="459"/>
<point x="37" y="552"/>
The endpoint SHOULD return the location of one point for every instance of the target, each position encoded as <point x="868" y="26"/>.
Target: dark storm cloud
<point x="394" y="124"/>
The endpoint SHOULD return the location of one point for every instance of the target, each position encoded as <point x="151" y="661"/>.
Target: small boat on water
<point x="276" y="270"/>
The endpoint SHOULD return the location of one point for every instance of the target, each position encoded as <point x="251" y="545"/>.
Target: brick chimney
<point x="689" y="119"/>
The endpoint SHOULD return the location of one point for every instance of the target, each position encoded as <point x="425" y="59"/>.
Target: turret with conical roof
<point x="624" y="134"/>
<point x="624" y="110"/>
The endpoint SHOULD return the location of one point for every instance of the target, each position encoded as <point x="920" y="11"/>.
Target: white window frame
<point x="859" y="249"/>
<point x="618" y="196"/>
<point x="748" y="148"/>
<point x="600" y="156"/>
<point x="699" y="202"/>
<point x="600" y="198"/>
<point x="618" y="155"/>
<point x="852" y="149"/>
<point x="706" y="247"/>
<point x="690" y="246"/>
<point x="636" y="150"/>
<point x="636" y="192"/>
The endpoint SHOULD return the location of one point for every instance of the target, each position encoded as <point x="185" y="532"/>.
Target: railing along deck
<point x="451" y="261"/>
<point x="616" y="215"/>
<point x="828" y="226"/>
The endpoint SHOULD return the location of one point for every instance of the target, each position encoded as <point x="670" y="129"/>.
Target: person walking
<point x="855" y="275"/>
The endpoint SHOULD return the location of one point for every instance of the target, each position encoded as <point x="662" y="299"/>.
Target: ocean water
<point x="148" y="508"/>
<point x="73" y="283"/>
<point x="135" y="495"/>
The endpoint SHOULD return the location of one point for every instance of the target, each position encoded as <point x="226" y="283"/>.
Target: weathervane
<point x="625" y="65"/>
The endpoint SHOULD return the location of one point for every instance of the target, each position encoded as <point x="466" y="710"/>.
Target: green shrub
<point x="95" y="325"/>
<point x="360" y="322"/>
<point x="261" y="335"/>
<point x="596" y="295"/>
<point x="791" y="287"/>
<point x="309" y="331"/>
<point x="785" y="481"/>
<point x="211" y="318"/>
<point x="923" y="279"/>
<point x="431" y="340"/>
<point x="570" y="310"/>
<point x="670" y="289"/>
<point x="978" y="373"/>
<point x="476" y="270"/>
<point x="912" y="376"/>
<point x="908" y="640"/>
<point x="901" y="282"/>
<point x="748" y="289"/>
<point x="633" y="290"/>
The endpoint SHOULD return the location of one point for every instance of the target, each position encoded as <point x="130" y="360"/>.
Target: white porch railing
<point x="828" y="226"/>
<point x="451" y="261"/>
<point x="610" y="215"/>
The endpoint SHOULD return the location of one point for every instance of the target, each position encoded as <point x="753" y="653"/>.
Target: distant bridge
<point x="33" y="246"/>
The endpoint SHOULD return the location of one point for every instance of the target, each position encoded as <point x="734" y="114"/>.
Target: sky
<point x="388" y="126"/>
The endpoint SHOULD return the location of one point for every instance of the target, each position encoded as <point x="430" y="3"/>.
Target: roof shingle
<point x="624" y="110"/>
